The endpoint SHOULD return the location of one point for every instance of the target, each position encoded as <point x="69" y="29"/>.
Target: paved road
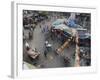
<point x="52" y="60"/>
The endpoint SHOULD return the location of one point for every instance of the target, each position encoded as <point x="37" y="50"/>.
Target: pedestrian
<point x="45" y="53"/>
<point x="43" y="30"/>
<point x="40" y="25"/>
<point x="27" y="45"/>
<point x="30" y="35"/>
<point x="47" y="29"/>
<point x="46" y="43"/>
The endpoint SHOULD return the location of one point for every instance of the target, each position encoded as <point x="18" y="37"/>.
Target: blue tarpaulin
<point x="71" y="23"/>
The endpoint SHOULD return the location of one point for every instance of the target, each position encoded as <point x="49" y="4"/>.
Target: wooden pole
<point x="59" y="50"/>
<point x="77" y="52"/>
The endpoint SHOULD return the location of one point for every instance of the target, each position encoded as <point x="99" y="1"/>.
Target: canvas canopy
<point x="64" y="28"/>
<point x="58" y="21"/>
<point x="61" y="27"/>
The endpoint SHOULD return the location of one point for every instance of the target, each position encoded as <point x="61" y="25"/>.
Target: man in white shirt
<point x="27" y="45"/>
